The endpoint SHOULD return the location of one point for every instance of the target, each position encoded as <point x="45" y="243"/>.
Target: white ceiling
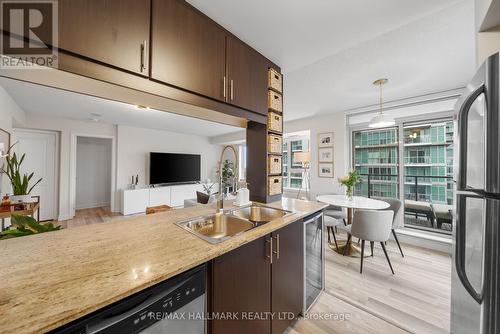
<point x="295" y="33"/>
<point x="332" y="50"/>
<point x="41" y="100"/>
<point x="433" y="54"/>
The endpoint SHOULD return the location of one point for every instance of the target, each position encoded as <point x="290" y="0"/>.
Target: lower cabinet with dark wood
<point x="259" y="285"/>
<point x="287" y="272"/>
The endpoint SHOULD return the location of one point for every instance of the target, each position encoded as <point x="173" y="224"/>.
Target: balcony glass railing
<point x="418" y="160"/>
<point x="418" y="139"/>
<point x="427" y="199"/>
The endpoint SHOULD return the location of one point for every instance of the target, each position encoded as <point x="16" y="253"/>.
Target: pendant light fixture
<point x="381" y="120"/>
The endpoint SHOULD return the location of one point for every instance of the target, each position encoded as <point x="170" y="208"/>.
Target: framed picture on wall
<point x="325" y="139"/>
<point x="325" y="169"/>
<point x="5" y="140"/>
<point x="325" y="154"/>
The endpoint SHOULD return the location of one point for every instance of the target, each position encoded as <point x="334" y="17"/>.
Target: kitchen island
<point x="51" y="279"/>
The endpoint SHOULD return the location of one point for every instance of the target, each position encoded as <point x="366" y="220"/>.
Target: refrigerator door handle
<point x="460" y="242"/>
<point x="463" y="116"/>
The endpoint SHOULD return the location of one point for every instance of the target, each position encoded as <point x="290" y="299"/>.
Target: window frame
<point x="400" y="124"/>
<point x="287" y="139"/>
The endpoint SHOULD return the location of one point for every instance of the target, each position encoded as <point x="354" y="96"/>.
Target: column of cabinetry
<point x="275" y="133"/>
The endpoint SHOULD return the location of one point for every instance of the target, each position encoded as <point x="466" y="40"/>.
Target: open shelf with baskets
<point x="275" y="133"/>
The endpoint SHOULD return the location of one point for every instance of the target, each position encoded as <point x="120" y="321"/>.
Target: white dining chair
<point x="395" y="205"/>
<point x="373" y="226"/>
<point x="336" y="212"/>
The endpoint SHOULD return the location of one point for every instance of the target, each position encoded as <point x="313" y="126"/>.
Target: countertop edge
<point x="49" y="326"/>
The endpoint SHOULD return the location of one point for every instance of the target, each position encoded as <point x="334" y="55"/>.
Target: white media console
<point x="137" y="200"/>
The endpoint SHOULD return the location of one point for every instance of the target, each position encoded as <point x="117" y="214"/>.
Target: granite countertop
<point x="51" y="279"/>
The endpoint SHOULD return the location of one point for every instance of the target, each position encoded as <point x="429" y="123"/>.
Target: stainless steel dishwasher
<point x="176" y="306"/>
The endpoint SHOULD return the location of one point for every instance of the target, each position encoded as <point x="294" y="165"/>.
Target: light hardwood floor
<point x="90" y="216"/>
<point x="416" y="299"/>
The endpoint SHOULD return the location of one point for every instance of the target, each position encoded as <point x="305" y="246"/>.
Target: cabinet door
<point x="241" y="282"/>
<point x="188" y="49"/>
<point x="247" y="74"/>
<point x="115" y="32"/>
<point x="287" y="275"/>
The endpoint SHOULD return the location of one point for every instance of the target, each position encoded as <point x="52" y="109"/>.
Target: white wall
<point x="135" y="144"/>
<point x="66" y="128"/>
<point x="335" y="123"/>
<point x="10" y="114"/>
<point x="93" y="172"/>
<point x="132" y="151"/>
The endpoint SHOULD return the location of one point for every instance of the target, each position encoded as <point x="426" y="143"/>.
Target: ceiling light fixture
<point x="381" y="120"/>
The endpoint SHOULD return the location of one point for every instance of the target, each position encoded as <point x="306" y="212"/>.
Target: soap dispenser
<point x="243" y="195"/>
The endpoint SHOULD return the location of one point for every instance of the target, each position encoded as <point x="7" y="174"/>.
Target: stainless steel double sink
<point x="222" y="226"/>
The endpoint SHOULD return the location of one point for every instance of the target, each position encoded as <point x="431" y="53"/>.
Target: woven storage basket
<point x="274" y="144"/>
<point x="275" y="122"/>
<point x="275" y="80"/>
<point x="274" y="185"/>
<point x="274" y="164"/>
<point x="275" y="101"/>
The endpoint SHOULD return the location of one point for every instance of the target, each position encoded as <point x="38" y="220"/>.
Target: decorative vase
<point x="348" y="193"/>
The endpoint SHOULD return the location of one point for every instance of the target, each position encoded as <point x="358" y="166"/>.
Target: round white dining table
<point x="357" y="202"/>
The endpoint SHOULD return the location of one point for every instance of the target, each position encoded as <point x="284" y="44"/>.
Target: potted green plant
<point x="349" y="181"/>
<point x="20" y="182"/>
<point x="25" y="225"/>
<point x="227" y="173"/>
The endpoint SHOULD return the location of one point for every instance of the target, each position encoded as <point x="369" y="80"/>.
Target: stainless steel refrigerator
<point x="475" y="290"/>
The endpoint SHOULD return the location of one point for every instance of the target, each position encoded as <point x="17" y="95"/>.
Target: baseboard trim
<point x="425" y="240"/>
<point x="63" y="217"/>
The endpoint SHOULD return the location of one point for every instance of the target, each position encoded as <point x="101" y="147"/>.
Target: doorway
<point x="93" y="173"/>
<point x="42" y="151"/>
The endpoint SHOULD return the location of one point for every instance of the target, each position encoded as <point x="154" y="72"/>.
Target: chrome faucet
<point x="220" y="199"/>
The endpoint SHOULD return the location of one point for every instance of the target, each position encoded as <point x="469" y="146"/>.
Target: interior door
<point x="188" y="49"/>
<point x="247" y="75"/>
<point x="40" y="150"/>
<point x="287" y="275"/>
<point x="115" y="32"/>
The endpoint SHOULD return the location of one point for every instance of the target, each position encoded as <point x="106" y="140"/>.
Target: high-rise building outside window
<point x="293" y="173"/>
<point x="426" y="166"/>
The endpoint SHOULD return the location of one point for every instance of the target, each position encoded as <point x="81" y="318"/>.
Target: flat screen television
<point x="174" y="168"/>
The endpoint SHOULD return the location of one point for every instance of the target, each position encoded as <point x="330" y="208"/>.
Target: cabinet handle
<point x="143" y="56"/>
<point x="270" y="256"/>
<point x="277" y="251"/>
<point x="232" y="89"/>
<point x="224" y="87"/>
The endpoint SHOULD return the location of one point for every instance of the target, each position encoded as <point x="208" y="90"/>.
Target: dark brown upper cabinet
<point x="247" y="76"/>
<point x="188" y="49"/>
<point x="114" y="32"/>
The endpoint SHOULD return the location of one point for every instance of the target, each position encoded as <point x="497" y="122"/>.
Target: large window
<point x="426" y="168"/>
<point x="376" y="159"/>
<point x="428" y="175"/>
<point x="293" y="173"/>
